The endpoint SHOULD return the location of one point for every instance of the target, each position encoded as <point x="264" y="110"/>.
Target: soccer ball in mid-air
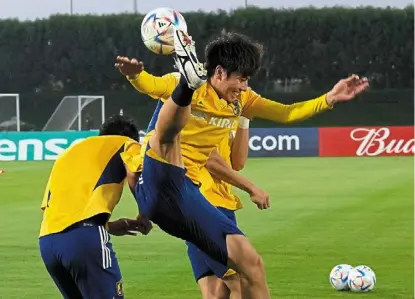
<point x="338" y="277"/>
<point x="158" y="27"/>
<point x="361" y="279"/>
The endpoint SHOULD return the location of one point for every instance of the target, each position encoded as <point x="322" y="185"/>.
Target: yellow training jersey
<point x="218" y="192"/>
<point x="87" y="179"/>
<point x="212" y="118"/>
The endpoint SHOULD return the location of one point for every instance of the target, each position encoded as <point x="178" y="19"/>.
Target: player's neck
<point x="213" y="84"/>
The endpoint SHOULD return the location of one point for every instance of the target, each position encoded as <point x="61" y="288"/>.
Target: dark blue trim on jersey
<point x="114" y="172"/>
<point x="47" y="202"/>
<point x="154" y="118"/>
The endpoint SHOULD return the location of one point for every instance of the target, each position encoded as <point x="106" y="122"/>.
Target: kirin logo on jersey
<point x="219" y="122"/>
<point x="222" y="122"/>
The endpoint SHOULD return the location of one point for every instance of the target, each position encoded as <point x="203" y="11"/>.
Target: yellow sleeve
<point x="131" y="155"/>
<point x="156" y="87"/>
<point x="257" y="106"/>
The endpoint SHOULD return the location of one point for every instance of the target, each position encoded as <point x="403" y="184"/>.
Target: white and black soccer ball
<point x="157" y="29"/>
<point x="361" y="279"/>
<point x="339" y="275"/>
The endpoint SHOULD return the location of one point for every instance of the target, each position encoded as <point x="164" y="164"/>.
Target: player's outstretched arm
<point x="240" y="146"/>
<point x="218" y="167"/>
<point x="154" y="86"/>
<point x="132" y="162"/>
<point x="132" y="179"/>
<point x="345" y="90"/>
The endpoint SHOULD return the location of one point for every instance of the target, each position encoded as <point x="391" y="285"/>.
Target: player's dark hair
<point x="235" y="52"/>
<point x="119" y="125"/>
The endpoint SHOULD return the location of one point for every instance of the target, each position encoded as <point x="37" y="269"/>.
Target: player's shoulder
<point x="204" y="91"/>
<point x="249" y="92"/>
<point x="248" y="95"/>
<point x="91" y="144"/>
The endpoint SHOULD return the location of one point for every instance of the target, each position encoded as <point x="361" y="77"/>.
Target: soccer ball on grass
<point x="339" y="277"/>
<point x="361" y="279"/>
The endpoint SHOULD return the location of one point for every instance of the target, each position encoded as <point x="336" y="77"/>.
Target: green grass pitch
<point x="325" y="211"/>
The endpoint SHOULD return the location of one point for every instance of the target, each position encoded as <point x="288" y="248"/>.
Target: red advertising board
<point x="366" y="141"/>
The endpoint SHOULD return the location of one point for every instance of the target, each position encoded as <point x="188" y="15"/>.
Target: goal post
<point x="81" y="112"/>
<point x="93" y="107"/>
<point x="9" y="112"/>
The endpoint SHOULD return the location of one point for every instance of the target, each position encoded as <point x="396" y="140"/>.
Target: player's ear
<point x="219" y="72"/>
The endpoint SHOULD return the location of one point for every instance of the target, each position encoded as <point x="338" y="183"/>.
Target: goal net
<point x="9" y="112"/>
<point x="77" y="113"/>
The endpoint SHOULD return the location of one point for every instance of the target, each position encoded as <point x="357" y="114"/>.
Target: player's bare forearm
<point x="218" y="167"/>
<point x="132" y="179"/>
<point x="240" y="145"/>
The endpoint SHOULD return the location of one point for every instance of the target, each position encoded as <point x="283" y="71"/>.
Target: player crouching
<point x="85" y="185"/>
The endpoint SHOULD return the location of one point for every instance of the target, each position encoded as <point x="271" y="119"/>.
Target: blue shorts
<point x="171" y="200"/>
<point x="202" y="264"/>
<point x="82" y="263"/>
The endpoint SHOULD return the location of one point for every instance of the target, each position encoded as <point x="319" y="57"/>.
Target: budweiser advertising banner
<point x="366" y="141"/>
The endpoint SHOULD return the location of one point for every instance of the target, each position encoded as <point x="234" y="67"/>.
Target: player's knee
<point x="256" y="267"/>
<point x="257" y="262"/>
<point x="242" y="255"/>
